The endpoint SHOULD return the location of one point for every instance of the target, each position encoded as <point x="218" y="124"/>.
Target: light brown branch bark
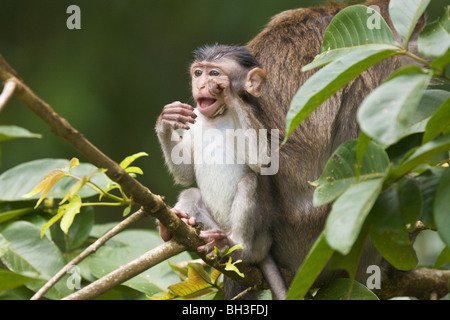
<point x="421" y="283"/>
<point x="90" y="250"/>
<point x="8" y="91"/>
<point x="149" y="259"/>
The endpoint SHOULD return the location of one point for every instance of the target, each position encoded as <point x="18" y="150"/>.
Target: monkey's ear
<point x="255" y="81"/>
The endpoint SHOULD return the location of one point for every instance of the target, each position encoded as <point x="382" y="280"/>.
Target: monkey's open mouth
<point x="205" y="103"/>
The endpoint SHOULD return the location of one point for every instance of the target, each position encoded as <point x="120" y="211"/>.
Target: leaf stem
<point x="110" y="204"/>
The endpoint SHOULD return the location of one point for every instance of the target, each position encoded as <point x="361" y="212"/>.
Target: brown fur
<point x="291" y="40"/>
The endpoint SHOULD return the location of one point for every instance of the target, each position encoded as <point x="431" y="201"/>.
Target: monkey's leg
<point x="190" y="205"/>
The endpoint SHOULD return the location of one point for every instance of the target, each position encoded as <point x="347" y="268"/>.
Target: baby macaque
<point x="233" y="199"/>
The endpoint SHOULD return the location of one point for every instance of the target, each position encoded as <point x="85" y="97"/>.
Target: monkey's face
<point x="210" y="81"/>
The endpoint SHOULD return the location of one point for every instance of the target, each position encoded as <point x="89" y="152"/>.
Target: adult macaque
<point x="233" y="200"/>
<point x="290" y="41"/>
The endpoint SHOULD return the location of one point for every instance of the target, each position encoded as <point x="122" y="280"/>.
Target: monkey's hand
<point x="165" y="234"/>
<point x="216" y="238"/>
<point x="177" y="115"/>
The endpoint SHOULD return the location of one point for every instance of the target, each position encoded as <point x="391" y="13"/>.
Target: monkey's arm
<point x="249" y="123"/>
<point x="177" y="115"/>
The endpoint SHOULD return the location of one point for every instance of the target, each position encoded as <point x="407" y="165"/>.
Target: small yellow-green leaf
<point x="231" y="266"/>
<point x="134" y="170"/>
<point x="73" y="163"/>
<point x="126" y="211"/>
<point x="195" y="284"/>
<point x="163" y="296"/>
<point x="70" y="211"/>
<point x="47" y="184"/>
<point x="74" y="189"/>
<point x="128" y="160"/>
<point x="215" y="274"/>
<point x="50" y="222"/>
<point x="233" y="248"/>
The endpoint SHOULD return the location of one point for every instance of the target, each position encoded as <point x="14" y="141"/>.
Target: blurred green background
<point x="111" y="79"/>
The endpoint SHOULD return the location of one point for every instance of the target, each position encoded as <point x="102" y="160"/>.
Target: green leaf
<point x="361" y="147"/>
<point x="386" y="113"/>
<point x="350" y="261"/>
<point x="349" y="213"/>
<point x="78" y="232"/>
<point x="443" y="258"/>
<point x="442" y="62"/>
<point x="357" y="27"/>
<point x="401" y="255"/>
<point x="395" y="213"/>
<point x="14" y="132"/>
<point x="340" y="171"/>
<point x="310" y="269"/>
<point x="25" y="177"/>
<point x="434" y="40"/>
<point x="439" y="122"/>
<point x="398" y="208"/>
<point x="128" y="160"/>
<point x="30" y="255"/>
<point x="338" y="290"/>
<point x="428" y="182"/>
<point x="329" y="80"/>
<point x="10" y="280"/>
<point x="441" y="207"/>
<point x="198" y="284"/>
<point x="418" y="156"/>
<point x="14" y="214"/>
<point x="405" y="15"/>
<point x="431" y="101"/>
<point x="4" y="245"/>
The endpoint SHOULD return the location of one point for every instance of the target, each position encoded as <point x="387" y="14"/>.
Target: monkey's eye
<point x="197" y="73"/>
<point x="214" y="73"/>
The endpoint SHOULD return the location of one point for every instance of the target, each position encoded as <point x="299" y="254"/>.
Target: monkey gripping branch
<point x="153" y="205"/>
<point x="343" y="62"/>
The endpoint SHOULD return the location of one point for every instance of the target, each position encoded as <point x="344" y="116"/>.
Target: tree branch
<point x="149" y="259"/>
<point x="8" y="91"/>
<point x="421" y="283"/>
<point x="89" y="250"/>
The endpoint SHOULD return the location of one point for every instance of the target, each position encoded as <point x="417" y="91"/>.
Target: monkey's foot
<point x="216" y="238"/>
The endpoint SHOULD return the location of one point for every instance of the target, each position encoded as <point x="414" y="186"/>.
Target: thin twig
<point x="8" y="91"/>
<point x="147" y="260"/>
<point x="89" y="250"/>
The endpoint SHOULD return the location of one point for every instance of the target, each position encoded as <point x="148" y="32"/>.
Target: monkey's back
<point x="290" y="41"/>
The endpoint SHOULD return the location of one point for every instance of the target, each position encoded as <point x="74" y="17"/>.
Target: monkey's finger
<point x="214" y="234"/>
<point x="178" y="117"/>
<point x="179" y="108"/>
<point x="176" y="124"/>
